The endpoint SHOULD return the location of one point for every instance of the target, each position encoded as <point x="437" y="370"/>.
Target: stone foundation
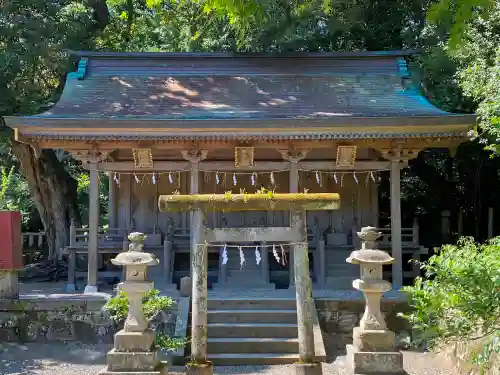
<point x="375" y="362"/>
<point x="338" y="318"/>
<point x="66" y="317"/>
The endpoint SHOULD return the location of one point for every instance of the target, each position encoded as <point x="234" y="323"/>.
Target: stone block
<point x="9" y="284"/>
<point x="199" y="369"/>
<point x="374" y="340"/>
<point x="134" y="341"/>
<point x="160" y="370"/>
<point x="132" y="361"/>
<point x="375" y="362"/>
<point x="185" y="286"/>
<point x="308" y="368"/>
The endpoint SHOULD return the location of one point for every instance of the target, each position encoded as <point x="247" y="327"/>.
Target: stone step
<point x="228" y="303"/>
<point x="253" y="345"/>
<point x="245" y="273"/>
<point x="271" y="330"/>
<point x="252" y="316"/>
<point x="237" y="359"/>
<point x="241" y="288"/>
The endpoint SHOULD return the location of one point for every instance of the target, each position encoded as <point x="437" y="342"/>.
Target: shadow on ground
<point x="36" y="358"/>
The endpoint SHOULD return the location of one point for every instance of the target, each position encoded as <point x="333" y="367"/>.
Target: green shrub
<point x="152" y="305"/>
<point x="459" y="299"/>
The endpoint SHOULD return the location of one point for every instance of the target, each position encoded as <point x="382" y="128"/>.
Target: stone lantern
<point x="373" y="350"/>
<point x="134" y="347"/>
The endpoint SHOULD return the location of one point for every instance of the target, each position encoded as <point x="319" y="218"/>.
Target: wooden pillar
<point x="71" y="285"/>
<point x="199" y="265"/>
<point x="194" y="180"/>
<point x="321" y="262"/>
<point x="294" y="156"/>
<point x="72" y="233"/>
<point x="199" y="271"/>
<point x="294" y="188"/>
<point x="396" y="242"/>
<point x="264" y="254"/>
<point x="222" y="274"/>
<point x="93" y="242"/>
<point x="303" y="292"/>
<point x="167" y="262"/>
<point x="111" y="202"/>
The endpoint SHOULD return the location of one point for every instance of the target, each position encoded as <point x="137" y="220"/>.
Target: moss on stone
<point x="249" y="202"/>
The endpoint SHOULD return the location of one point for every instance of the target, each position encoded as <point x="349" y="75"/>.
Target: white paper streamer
<point x="318" y="178"/>
<point x="224" y="255"/>
<point x="242" y="257"/>
<point x="253" y="179"/>
<point x="170" y="178"/>
<point x="136" y="178"/>
<point x="275" y="254"/>
<point x="217" y="179"/>
<point x="115" y="178"/>
<point x="372" y="176"/>
<point x="235" y="182"/>
<point x="335" y="178"/>
<point x="154" y="178"/>
<point x="355" y="177"/>
<point x="258" y="258"/>
<point x="272" y="178"/>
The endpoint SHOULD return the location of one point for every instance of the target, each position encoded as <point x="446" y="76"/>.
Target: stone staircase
<point x="339" y="274"/>
<point x="247" y="277"/>
<point x="259" y="331"/>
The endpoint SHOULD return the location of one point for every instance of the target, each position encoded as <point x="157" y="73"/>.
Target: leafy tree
<point x="458" y="300"/>
<point x="33" y="64"/>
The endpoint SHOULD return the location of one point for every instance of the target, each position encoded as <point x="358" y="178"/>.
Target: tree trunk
<point x="54" y="192"/>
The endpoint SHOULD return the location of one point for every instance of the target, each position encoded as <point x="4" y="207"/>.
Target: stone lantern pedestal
<point x="134" y="349"/>
<point x="374" y="346"/>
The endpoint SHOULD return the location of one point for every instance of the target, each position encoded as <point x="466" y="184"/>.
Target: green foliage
<point x="152" y="305"/>
<point x="5" y="184"/>
<point x="455" y="15"/>
<point x="459" y="299"/>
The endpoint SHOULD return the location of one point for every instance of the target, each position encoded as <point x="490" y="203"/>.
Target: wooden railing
<point x="34" y="246"/>
<point x="34" y="240"/>
<point x="78" y="237"/>
<point x="409" y="236"/>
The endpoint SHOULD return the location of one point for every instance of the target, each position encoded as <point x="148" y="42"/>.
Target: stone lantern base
<point x="134" y="354"/>
<point x="369" y="362"/>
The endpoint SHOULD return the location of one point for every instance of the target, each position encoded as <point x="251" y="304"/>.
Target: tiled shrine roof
<point x="301" y="96"/>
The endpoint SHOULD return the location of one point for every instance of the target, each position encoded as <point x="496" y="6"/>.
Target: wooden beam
<point x="228" y="166"/>
<point x="271" y="234"/>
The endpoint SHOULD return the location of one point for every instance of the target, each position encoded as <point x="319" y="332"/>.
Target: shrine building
<point x="186" y="123"/>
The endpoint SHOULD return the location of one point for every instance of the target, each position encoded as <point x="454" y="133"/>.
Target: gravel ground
<point x="77" y="359"/>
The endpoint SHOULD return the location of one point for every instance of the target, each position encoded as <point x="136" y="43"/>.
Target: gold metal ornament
<point x="243" y="157"/>
<point x="143" y="158"/>
<point x="346" y="156"/>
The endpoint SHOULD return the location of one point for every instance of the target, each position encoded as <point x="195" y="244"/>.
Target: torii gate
<point x="298" y="204"/>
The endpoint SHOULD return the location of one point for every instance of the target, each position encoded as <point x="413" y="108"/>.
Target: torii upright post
<point x="297" y="203"/>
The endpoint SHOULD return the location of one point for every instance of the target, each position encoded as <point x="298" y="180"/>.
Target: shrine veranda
<point x="184" y="123"/>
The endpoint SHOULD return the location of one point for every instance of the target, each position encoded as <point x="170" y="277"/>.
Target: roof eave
<point x="190" y="55"/>
<point x="337" y="128"/>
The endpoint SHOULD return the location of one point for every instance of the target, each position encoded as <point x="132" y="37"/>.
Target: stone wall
<point x="338" y="317"/>
<point x="460" y="353"/>
<point x="69" y="318"/>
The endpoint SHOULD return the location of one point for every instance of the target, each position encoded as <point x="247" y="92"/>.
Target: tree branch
<point x="101" y="14"/>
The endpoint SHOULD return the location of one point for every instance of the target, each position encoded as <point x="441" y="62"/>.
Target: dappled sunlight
<point x="226" y="96"/>
<point x="122" y="82"/>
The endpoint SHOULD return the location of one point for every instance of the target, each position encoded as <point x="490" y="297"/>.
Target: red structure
<point x="10" y="234"/>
